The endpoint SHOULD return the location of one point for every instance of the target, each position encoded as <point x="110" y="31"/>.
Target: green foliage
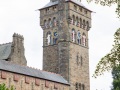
<point x="108" y="3"/>
<point x="116" y="78"/>
<point x="3" y="87"/>
<point x="112" y="59"/>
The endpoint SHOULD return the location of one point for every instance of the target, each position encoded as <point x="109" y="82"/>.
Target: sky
<point x="22" y="16"/>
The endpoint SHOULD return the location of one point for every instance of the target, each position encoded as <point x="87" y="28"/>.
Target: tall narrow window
<point x="73" y="19"/>
<point x="80" y="23"/>
<point x="76" y="86"/>
<point x="45" y="24"/>
<point x="79" y="37"/>
<point x="73" y="35"/>
<point x="83" y="87"/>
<point x="55" y="38"/>
<point x="87" y="24"/>
<point x="49" y="38"/>
<point x="50" y="23"/>
<point x="83" y="24"/>
<point x="84" y="39"/>
<point x="76" y="22"/>
<point x="77" y="58"/>
<point x="54" y="21"/>
<point x="79" y="86"/>
<point x="81" y="61"/>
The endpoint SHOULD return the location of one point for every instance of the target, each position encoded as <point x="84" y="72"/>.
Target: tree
<point x="109" y="3"/>
<point x="3" y="87"/>
<point x="112" y="59"/>
<point x="116" y="78"/>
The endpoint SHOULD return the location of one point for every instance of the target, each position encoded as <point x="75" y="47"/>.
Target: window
<point x="50" y="23"/>
<point x="76" y="23"/>
<point x="87" y="24"/>
<point x="81" y="60"/>
<point x="73" y="18"/>
<point x="73" y="35"/>
<point x="84" y="39"/>
<point x="45" y="24"/>
<point x="78" y="37"/>
<point x="54" y="21"/>
<point x="77" y="58"/>
<point x="79" y="86"/>
<point x="83" y="87"/>
<point x="83" y="24"/>
<point x="76" y="86"/>
<point x="55" y="38"/>
<point x="80" y="23"/>
<point x="49" y="38"/>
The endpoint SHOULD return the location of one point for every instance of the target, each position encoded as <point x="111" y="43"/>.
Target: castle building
<point x="15" y="72"/>
<point x="65" y="25"/>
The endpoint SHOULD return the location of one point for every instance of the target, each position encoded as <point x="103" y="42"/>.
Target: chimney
<point x="17" y="52"/>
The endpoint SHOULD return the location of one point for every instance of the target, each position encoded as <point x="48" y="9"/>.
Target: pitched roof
<point x="74" y="1"/>
<point x="5" y="50"/>
<point x="7" y="66"/>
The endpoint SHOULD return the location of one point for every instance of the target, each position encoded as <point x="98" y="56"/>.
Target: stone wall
<point x="23" y="82"/>
<point x="50" y="58"/>
<point x="79" y="66"/>
<point x="17" y="50"/>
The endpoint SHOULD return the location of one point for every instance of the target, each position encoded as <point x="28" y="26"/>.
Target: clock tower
<point x="65" y="25"/>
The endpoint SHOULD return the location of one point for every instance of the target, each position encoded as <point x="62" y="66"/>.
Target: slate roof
<point x="7" y="66"/>
<point x="74" y="1"/>
<point x="5" y="50"/>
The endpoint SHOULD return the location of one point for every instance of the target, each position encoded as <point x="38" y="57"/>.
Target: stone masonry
<point x="69" y="56"/>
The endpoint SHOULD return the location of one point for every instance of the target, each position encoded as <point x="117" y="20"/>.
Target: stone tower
<point x="65" y="25"/>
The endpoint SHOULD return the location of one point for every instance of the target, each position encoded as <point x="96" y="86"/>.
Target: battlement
<point x="18" y="35"/>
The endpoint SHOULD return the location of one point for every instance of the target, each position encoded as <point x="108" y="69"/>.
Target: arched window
<point x="73" y="35"/>
<point x="49" y="38"/>
<point x="54" y="21"/>
<point x="84" y="39"/>
<point x="87" y="24"/>
<point x="78" y="37"/>
<point x="83" y="24"/>
<point x="50" y="22"/>
<point x="80" y="23"/>
<point x="76" y="86"/>
<point x="45" y="24"/>
<point x="55" y="38"/>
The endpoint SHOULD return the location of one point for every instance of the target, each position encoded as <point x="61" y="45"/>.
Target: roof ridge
<point x="6" y="43"/>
